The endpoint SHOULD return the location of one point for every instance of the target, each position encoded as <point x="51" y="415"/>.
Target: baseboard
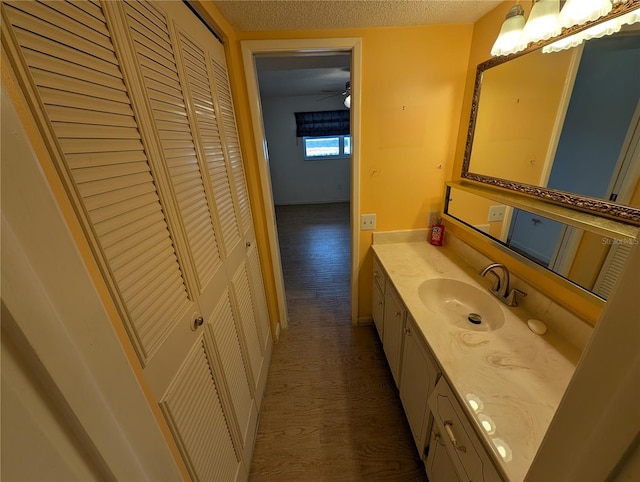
<point x="364" y="320"/>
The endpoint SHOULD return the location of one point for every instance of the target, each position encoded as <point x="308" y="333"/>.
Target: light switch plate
<point x="368" y="222"/>
<point x="496" y="213"/>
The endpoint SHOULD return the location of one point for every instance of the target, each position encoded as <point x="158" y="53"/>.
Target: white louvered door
<point x="135" y="100"/>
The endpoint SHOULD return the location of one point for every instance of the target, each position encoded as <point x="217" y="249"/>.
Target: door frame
<point x="292" y="47"/>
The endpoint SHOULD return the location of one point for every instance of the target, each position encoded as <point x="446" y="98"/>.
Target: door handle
<point x="447" y="427"/>
<point x="197" y="323"/>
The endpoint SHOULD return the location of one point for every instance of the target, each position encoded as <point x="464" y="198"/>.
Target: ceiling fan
<point x="346" y="93"/>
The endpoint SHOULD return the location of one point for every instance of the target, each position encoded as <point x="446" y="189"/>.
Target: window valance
<point x="326" y="123"/>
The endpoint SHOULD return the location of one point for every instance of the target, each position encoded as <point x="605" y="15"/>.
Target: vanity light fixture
<point x="599" y="30"/>
<point x="509" y="39"/>
<point x="547" y="21"/>
<point x="577" y="12"/>
<point x="543" y="22"/>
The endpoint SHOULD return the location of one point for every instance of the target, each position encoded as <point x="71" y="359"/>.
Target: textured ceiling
<point x="317" y="74"/>
<point x="271" y="15"/>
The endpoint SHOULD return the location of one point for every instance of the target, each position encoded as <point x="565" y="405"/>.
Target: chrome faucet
<point x="500" y="288"/>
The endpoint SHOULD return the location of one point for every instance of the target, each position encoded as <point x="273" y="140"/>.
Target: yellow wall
<point x="516" y="117"/>
<point x="413" y="81"/>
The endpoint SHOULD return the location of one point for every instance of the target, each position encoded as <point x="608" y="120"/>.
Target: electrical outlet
<point x="433" y="218"/>
<point x="368" y="222"/>
<point x="496" y="213"/>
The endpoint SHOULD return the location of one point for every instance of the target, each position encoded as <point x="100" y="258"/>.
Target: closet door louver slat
<point x="243" y="298"/>
<point x="84" y="137"/>
<point x="198" y="78"/>
<point x="227" y="342"/>
<point x="38" y="18"/>
<point x="59" y="97"/>
<point x="611" y="269"/>
<point x="149" y="23"/>
<point x="259" y="298"/>
<point x="232" y="143"/>
<point x="197" y="419"/>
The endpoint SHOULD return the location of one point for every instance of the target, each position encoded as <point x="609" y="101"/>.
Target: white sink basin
<point x="461" y="304"/>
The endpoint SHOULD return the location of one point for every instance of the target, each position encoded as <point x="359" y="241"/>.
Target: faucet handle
<point x="512" y="300"/>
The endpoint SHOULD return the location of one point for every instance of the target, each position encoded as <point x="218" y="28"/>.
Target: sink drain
<point x="474" y="318"/>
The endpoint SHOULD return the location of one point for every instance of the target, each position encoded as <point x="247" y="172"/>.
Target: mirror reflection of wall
<point x="568" y="121"/>
<point x="584" y="258"/>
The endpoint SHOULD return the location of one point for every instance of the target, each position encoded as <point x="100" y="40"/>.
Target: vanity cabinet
<point x="377" y="303"/>
<point x="455" y="446"/>
<point x="394" y="318"/>
<point x="418" y="379"/>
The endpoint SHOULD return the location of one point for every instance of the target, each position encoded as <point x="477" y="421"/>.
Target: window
<point x="326" y="147"/>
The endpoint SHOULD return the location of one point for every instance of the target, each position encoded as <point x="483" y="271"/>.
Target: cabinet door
<point x="468" y="455"/>
<point x="419" y="373"/>
<point x="394" y="318"/>
<point x="377" y="308"/>
<point x="439" y="466"/>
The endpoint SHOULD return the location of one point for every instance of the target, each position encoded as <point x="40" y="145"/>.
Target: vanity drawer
<point x="468" y="455"/>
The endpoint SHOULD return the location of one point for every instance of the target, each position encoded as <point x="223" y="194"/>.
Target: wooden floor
<point x="331" y="410"/>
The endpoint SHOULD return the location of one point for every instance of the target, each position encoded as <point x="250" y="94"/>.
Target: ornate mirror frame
<point x="608" y="209"/>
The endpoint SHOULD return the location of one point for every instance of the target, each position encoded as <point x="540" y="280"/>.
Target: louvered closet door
<point x="247" y="277"/>
<point x="207" y="90"/>
<point x="128" y="92"/>
<point x="72" y="63"/>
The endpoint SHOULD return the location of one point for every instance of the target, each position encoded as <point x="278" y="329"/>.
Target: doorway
<point x="253" y="49"/>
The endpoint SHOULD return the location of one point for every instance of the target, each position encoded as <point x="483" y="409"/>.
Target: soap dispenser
<point x="437" y="233"/>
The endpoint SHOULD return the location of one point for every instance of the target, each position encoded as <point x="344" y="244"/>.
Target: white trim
<point x="506" y="223"/>
<point x="565" y="251"/>
<point x="250" y="48"/>
<point x="561" y="114"/>
<point x="627" y="171"/>
<point x="58" y="310"/>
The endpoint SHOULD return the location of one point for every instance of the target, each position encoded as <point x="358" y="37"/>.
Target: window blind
<point x="326" y="123"/>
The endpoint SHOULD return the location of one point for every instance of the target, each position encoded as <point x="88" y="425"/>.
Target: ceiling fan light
<point x="543" y="22"/>
<point x="347" y="101"/>
<point x="578" y="12"/>
<point x="510" y="37"/>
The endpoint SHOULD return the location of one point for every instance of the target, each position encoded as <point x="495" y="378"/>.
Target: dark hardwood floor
<point x="331" y="410"/>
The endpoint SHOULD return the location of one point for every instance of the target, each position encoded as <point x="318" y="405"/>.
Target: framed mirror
<point x="586" y="254"/>
<point x="562" y="126"/>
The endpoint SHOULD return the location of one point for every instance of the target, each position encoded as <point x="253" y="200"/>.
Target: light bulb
<point x="347" y="101"/>
<point x="578" y="12"/>
<point x="543" y="22"/>
<point x="510" y="37"/>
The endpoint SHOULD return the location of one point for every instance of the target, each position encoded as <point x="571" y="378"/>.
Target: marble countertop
<point x="518" y="377"/>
